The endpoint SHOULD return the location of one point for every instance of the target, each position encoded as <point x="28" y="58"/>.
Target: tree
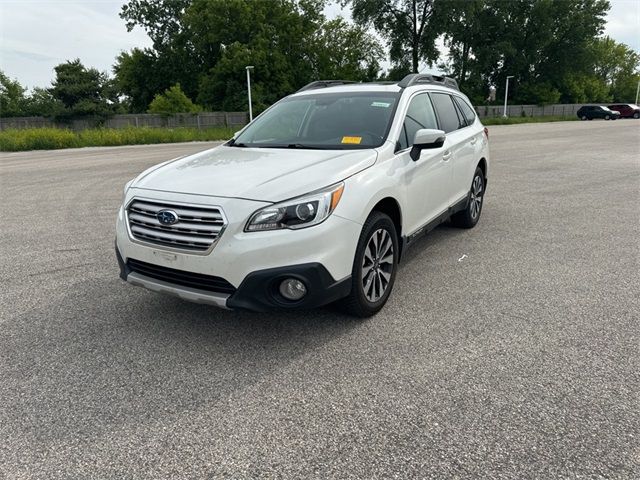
<point x="138" y="76"/>
<point x="617" y="66"/>
<point x="411" y="27"/>
<point x="289" y="42"/>
<point x="540" y="42"/>
<point x="83" y="91"/>
<point x="41" y="103"/>
<point x="12" y="98"/>
<point x="173" y="100"/>
<point x="346" y="51"/>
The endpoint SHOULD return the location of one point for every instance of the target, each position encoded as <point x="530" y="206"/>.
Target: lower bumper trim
<point x="186" y="293"/>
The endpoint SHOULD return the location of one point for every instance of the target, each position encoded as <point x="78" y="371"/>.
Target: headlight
<point x="300" y="212"/>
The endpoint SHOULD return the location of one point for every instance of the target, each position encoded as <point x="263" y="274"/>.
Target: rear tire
<point x="374" y="267"/>
<point x="468" y="218"/>
<point x="607" y="117"/>
<point x="584" y="117"/>
<point x="636" y="115"/>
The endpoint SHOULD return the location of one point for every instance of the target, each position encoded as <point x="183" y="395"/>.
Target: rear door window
<point x="447" y="114"/>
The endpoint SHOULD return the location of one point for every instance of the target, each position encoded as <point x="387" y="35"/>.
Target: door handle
<point x="446" y="156"/>
<point x="474" y="140"/>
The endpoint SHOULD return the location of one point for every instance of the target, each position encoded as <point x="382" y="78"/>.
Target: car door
<point x="458" y="145"/>
<point x="428" y="179"/>
<point x="464" y="164"/>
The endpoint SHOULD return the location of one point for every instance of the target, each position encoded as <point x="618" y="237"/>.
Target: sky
<point x="36" y="35"/>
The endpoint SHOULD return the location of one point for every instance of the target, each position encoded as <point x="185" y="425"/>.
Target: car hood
<point x="264" y="174"/>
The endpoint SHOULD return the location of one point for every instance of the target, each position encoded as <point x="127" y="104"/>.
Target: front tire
<point x="468" y="218"/>
<point x="636" y="115"/>
<point x="584" y="117"/>
<point x="607" y="117"/>
<point x="374" y="267"/>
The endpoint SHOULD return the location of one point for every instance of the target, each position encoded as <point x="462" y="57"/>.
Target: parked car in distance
<point x="626" y="110"/>
<point x="589" y="112"/>
<point x="315" y="201"/>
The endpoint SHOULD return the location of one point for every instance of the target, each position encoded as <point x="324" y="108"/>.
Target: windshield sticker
<point x="381" y="104"/>
<point x="352" y="140"/>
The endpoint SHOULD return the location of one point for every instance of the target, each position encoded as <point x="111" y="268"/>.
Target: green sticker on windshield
<point x="381" y="104"/>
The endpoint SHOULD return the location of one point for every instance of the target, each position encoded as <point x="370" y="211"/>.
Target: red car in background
<point x="627" y="110"/>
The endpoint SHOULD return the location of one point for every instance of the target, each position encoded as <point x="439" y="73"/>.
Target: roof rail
<point x="324" y="84"/>
<point x="418" y="78"/>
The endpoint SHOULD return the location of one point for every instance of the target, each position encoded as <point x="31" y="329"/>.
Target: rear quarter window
<point x="467" y="111"/>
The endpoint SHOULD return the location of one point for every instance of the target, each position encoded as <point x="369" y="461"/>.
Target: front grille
<point x="197" y="228"/>
<point x="180" y="277"/>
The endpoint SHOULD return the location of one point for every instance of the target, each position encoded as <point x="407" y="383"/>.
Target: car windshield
<point x="605" y="108"/>
<point x="342" y="120"/>
<point x="633" y="105"/>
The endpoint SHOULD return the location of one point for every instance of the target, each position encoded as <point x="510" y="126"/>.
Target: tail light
<point x="486" y="132"/>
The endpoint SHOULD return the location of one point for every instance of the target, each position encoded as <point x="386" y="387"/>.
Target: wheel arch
<point x="482" y="165"/>
<point x="391" y="207"/>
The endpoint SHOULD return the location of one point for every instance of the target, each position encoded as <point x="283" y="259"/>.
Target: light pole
<point x="637" y="92"/>
<point x="249" y="68"/>
<point x="506" y="92"/>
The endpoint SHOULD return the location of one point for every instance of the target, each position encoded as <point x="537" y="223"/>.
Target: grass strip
<point x="17" y="140"/>
<point x="518" y="120"/>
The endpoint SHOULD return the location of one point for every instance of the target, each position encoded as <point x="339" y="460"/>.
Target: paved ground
<point x="520" y="361"/>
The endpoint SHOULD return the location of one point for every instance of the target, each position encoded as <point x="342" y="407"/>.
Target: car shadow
<point x="106" y="354"/>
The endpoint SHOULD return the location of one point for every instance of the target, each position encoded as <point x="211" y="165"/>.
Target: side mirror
<point x="424" y="139"/>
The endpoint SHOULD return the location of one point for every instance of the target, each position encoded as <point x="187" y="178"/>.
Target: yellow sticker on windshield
<point x="352" y="140"/>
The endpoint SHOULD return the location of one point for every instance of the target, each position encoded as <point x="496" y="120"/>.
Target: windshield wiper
<point x="292" y="145"/>
<point x="233" y="143"/>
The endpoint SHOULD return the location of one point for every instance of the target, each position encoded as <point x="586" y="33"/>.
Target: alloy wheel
<point x="377" y="265"/>
<point x="476" y="197"/>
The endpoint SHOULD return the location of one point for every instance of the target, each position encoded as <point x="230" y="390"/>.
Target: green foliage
<point x="83" y="91"/>
<point x="346" y="51"/>
<point x="139" y="76"/>
<point x="410" y="27"/>
<point x="14" y="102"/>
<point x="289" y="42"/>
<point x="55" y="138"/>
<point x="538" y="93"/>
<point x="41" y="103"/>
<point x="12" y="98"/>
<point x="583" y="88"/>
<point x="172" y="101"/>
<point x="539" y="42"/>
<point x="618" y="67"/>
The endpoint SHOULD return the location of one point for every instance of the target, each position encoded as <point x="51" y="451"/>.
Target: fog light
<point x="292" y="289"/>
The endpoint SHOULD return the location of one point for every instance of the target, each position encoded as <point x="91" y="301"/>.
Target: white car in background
<point x="313" y="202"/>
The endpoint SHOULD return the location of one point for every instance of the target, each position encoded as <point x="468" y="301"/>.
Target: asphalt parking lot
<point x="508" y="351"/>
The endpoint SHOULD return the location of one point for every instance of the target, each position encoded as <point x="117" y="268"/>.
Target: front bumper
<point x="250" y="263"/>
<point x="258" y="292"/>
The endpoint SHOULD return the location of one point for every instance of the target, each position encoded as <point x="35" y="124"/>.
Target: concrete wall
<point x="239" y="119"/>
<point x="199" y="120"/>
<point x="490" y="111"/>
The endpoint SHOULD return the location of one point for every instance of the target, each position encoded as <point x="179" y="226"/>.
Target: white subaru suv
<point x="313" y="202"/>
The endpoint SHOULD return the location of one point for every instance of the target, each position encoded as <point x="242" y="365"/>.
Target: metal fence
<point x="195" y="120"/>
<point x="492" y="111"/>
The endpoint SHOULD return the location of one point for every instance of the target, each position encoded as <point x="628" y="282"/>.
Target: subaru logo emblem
<point x="167" y="217"/>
